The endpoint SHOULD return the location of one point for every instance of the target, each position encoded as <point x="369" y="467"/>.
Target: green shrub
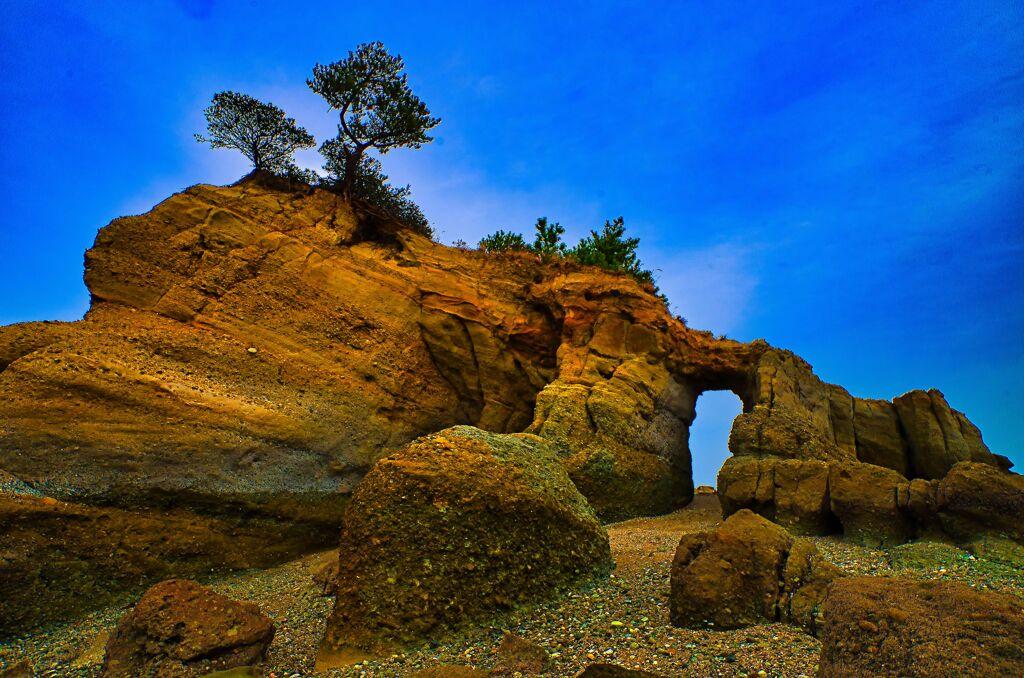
<point x="369" y="183"/>
<point x="548" y="240"/>
<point x="610" y="250"/>
<point x="503" y="241"/>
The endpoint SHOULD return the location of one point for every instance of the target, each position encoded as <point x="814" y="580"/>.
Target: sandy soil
<point x="623" y="619"/>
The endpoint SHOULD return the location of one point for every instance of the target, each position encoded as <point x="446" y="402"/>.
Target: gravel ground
<point x="622" y="620"/>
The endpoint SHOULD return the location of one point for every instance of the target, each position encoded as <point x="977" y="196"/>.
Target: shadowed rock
<point x="747" y="571"/>
<point x="182" y="629"/>
<point x="877" y="626"/>
<point x="61" y="560"/>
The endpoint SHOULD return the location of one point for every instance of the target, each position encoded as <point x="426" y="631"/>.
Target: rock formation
<point x="454" y="526"/>
<point x="876" y="626"/>
<point x="60" y="560"/>
<point x="251" y="350"/>
<point x="180" y="629"/>
<point x="747" y="571"/>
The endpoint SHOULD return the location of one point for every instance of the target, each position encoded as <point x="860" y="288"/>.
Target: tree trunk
<point x="351" y="167"/>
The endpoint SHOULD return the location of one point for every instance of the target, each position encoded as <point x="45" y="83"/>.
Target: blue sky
<point x="842" y="179"/>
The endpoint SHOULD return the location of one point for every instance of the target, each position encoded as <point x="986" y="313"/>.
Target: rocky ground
<point x="623" y="619"/>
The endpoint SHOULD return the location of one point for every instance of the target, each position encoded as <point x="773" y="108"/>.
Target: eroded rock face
<point x="791" y="492"/>
<point x="455" y="526"/>
<point x="747" y="571"/>
<point x="282" y="341"/>
<point x="876" y="506"/>
<point x="59" y="560"/>
<point x="870" y="503"/>
<point x="252" y="350"/>
<point x="876" y="626"/>
<point x="182" y="629"/>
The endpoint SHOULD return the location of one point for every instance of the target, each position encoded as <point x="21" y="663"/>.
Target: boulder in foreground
<point x="181" y="629"/>
<point x="747" y="571"/>
<point x="877" y="626"/>
<point x="457" y="525"/>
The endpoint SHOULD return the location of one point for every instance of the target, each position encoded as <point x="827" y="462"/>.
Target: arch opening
<point x="709" y="434"/>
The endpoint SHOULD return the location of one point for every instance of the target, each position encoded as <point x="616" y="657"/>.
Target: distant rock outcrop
<point x="457" y="525"/>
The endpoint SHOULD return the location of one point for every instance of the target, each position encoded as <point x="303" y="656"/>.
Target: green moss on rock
<point x="456" y="526"/>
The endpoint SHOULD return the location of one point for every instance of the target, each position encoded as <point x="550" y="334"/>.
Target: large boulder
<point x="975" y="499"/>
<point x="870" y="503"/>
<point x="453" y="527"/>
<point x="791" y="492"/>
<point x="747" y="571"/>
<point x="938" y="437"/>
<point x="876" y="626"/>
<point x="181" y="629"/>
<point x="975" y="504"/>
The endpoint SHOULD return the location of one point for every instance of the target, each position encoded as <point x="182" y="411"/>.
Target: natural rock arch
<point x="709" y="434"/>
<point x="249" y="349"/>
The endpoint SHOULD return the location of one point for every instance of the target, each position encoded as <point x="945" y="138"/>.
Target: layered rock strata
<point x="251" y="350"/>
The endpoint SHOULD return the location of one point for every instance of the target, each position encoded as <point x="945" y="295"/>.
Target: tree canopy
<point x="547" y="241"/>
<point x="609" y="249"/>
<point x="260" y="131"/>
<point x="376" y="107"/>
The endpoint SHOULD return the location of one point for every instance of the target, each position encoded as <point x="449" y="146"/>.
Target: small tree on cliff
<point x="260" y="131"/>
<point x="548" y="239"/>
<point x="368" y="181"/>
<point x="610" y="250"/>
<point x="503" y="241"/>
<point x="375" y="105"/>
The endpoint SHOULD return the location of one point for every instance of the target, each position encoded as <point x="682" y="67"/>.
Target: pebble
<point x="577" y="629"/>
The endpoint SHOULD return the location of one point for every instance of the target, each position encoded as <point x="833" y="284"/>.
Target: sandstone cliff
<point x="251" y="350"/>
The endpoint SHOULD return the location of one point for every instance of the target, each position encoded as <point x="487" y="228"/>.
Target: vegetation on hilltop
<point x="260" y="131"/>
<point x="608" y="248"/>
<point x="377" y="110"/>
